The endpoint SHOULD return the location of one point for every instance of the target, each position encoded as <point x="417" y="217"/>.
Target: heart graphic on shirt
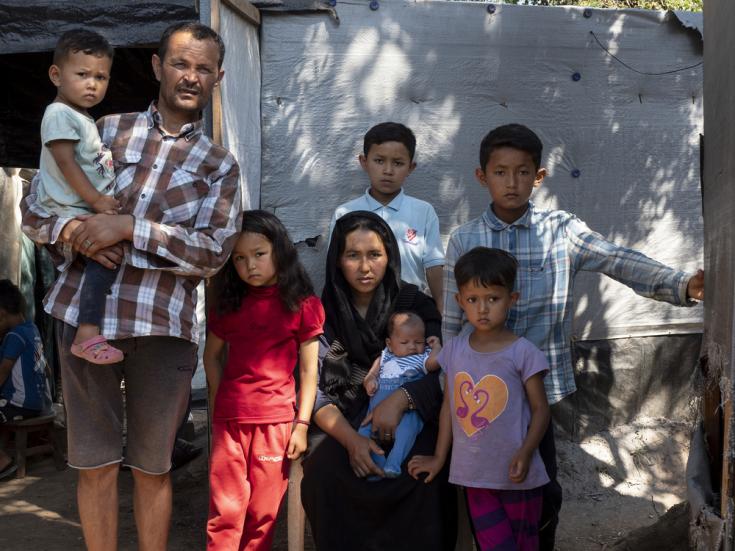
<point x="478" y="404"/>
<point x="410" y="234"/>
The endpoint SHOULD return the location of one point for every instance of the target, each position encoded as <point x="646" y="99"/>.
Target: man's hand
<point x="101" y="231"/>
<point x="111" y="257"/>
<point x="695" y="287"/>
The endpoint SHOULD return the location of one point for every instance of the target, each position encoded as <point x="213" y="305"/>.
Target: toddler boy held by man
<point x="76" y="175"/>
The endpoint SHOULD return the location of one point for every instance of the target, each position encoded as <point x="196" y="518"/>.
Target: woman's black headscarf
<point x="355" y="342"/>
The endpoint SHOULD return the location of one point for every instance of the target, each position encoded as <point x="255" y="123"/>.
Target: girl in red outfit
<point x="269" y="319"/>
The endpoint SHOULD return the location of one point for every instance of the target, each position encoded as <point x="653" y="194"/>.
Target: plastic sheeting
<point x="35" y="26"/>
<point x="241" y="100"/>
<point x="622" y="145"/>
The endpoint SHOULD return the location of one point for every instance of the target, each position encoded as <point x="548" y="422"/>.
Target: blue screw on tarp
<point x="587" y="13"/>
<point x="374" y="5"/>
<point x="491" y="8"/>
<point x="332" y="3"/>
<point x="576" y="173"/>
<point x="576" y="77"/>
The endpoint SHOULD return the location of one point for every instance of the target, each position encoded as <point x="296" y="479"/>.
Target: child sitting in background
<point x="387" y="158"/>
<point x="405" y="358"/>
<point x="24" y="377"/>
<point x="495" y="411"/>
<point x="76" y="174"/>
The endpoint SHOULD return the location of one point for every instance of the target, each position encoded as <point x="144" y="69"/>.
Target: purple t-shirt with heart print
<point x="490" y="412"/>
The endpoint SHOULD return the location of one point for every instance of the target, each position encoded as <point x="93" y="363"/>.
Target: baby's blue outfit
<point x="395" y="371"/>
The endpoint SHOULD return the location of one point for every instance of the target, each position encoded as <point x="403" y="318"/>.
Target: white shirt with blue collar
<point x="416" y="226"/>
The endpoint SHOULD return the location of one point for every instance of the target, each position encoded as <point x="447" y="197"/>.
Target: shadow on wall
<point x="621" y="140"/>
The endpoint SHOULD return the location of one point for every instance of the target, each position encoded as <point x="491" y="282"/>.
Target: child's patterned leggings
<point x="505" y="520"/>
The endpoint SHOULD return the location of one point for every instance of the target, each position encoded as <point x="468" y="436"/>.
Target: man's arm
<point x="647" y="277"/>
<point x="197" y="251"/>
<point x="40" y="226"/>
<point x="200" y="250"/>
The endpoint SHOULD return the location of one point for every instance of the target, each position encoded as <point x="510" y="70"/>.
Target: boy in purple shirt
<point x="495" y="410"/>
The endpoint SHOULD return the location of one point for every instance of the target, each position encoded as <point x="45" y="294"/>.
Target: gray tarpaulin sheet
<point x="35" y="25"/>
<point x="622" y="144"/>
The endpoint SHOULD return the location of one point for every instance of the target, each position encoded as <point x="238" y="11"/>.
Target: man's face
<point x="188" y="74"/>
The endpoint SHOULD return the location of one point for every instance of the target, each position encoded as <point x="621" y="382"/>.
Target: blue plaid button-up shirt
<point x="551" y="246"/>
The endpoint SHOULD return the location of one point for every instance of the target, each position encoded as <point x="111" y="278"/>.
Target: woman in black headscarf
<point x="361" y="291"/>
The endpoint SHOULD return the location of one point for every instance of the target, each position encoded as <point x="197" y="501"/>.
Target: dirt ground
<point x="614" y="482"/>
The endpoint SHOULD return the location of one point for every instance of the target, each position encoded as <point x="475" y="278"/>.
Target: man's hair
<point x="411" y="318"/>
<point x="515" y="136"/>
<point x="485" y="266"/>
<point x="198" y="31"/>
<point x="390" y="132"/>
<point x="11" y="299"/>
<point x="81" y="40"/>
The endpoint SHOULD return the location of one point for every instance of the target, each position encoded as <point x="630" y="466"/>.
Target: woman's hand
<point x="362" y="464"/>
<point x="297" y="442"/>
<point x="386" y="416"/>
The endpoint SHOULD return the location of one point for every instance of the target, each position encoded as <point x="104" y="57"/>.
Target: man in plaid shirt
<point x="180" y="216"/>
<point x="550" y="247"/>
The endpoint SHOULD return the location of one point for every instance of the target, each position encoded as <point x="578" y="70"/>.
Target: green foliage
<point x="687" y="5"/>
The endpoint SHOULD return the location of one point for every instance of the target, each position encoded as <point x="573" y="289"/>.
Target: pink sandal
<point x="97" y="351"/>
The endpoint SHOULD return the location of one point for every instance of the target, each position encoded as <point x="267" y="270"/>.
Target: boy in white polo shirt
<point x="387" y="157"/>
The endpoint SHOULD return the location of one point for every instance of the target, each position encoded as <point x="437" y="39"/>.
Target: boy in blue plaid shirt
<point x="551" y="247"/>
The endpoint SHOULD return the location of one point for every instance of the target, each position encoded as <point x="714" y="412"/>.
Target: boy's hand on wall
<point x="695" y="287"/>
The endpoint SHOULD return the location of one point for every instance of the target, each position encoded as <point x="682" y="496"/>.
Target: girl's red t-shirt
<point x="257" y="384"/>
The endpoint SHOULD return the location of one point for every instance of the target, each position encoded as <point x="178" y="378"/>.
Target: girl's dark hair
<point x="11" y="299"/>
<point x="486" y="267"/>
<point x="294" y="284"/>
